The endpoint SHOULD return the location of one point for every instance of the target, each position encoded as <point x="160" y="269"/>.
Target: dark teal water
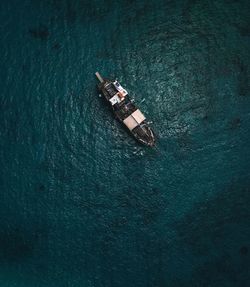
<point x="81" y="203"/>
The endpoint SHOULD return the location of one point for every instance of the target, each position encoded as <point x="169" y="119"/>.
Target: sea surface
<point x="81" y="202"/>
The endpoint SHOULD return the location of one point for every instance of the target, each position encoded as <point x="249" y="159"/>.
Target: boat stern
<point x="144" y="134"/>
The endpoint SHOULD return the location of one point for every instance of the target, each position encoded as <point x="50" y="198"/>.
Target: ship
<point x="126" y="111"/>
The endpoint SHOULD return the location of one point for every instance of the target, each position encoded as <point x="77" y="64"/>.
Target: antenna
<point x="99" y="77"/>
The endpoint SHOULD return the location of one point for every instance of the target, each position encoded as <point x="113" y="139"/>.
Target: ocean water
<point x="82" y="203"/>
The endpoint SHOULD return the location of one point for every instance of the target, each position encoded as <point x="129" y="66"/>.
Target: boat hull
<point x="126" y="111"/>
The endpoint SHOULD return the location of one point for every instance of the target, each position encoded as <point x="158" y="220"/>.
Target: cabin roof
<point x="134" y="119"/>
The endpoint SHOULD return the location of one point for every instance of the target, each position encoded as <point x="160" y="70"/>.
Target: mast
<point x="99" y="77"/>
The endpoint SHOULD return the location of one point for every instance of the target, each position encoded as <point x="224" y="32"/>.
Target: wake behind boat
<point x="126" y="111"/>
